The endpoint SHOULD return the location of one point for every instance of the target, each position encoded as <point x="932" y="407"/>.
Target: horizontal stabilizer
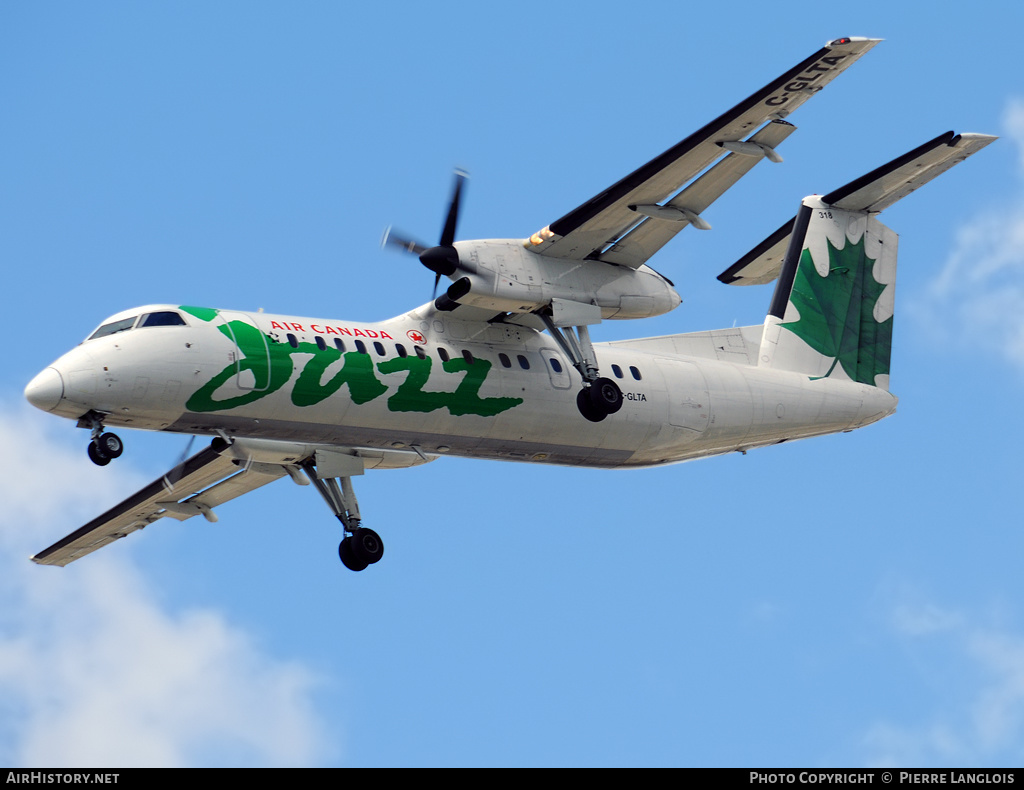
<point x="872" y="192"/>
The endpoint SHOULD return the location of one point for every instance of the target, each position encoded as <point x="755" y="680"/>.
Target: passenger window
<point x="555" y="365"/>
<point x="635" y="372"/>
<point x="292" y="340"/>
<point x="320" y="343"/>
<point x="378" y="347"/>
<point x="443" y="353"/>
<point x="524" y="363"/>
<point x="420" y="352"/>
<point x="163" y="318"/>
<point x="401" y="350"/>
<point x="339" y="344"/>
<point x="468" y="356"/>
<point x="505" y="361"/>
<point x="617" y="371"/>
<point x="360" y="346"/>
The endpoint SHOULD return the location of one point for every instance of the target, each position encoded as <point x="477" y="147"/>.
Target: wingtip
<point x="862" y="42"/>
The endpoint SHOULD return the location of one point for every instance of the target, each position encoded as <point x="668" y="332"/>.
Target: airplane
<point x="501" y="365"/>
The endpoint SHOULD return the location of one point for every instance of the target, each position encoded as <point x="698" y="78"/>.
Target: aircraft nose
<point x="46" y="390"/>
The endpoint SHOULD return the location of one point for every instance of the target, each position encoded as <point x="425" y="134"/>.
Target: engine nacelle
<point x="502" y="275"/>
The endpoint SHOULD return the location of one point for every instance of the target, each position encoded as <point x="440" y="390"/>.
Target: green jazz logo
<point x="837" y="312"/>
<point x="272" y="365"/>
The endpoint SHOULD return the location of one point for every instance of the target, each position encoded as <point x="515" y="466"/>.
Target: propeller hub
<point x="442" y="260"/>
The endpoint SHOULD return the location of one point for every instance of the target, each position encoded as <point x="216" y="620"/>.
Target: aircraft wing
<point x="873" y="192"/>
<point x="193" y="487"/>
<point x="627" y="223"/>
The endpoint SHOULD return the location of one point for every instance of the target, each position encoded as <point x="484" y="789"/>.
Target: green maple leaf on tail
<point x="836" y="312"/>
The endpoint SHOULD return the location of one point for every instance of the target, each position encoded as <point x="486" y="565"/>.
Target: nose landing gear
<point x="104" y="446"/>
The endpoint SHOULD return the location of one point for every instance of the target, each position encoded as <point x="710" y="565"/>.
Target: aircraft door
<point x="252" y="354"/>
<point x="558" y="370"/>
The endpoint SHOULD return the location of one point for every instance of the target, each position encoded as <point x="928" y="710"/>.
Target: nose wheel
<point x="104" y="446"/>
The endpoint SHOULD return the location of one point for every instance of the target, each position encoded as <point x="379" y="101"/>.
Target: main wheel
<point x="588" y="409"/>
<point x="367" y="545"/>
<point x="97" y="456"/>
<point x="348" y="558"/>
<point x="605" y="395"/>
<point x="110" y="445"/>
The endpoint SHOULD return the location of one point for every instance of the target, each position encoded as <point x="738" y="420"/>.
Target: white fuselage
<point x="437" y="385"/>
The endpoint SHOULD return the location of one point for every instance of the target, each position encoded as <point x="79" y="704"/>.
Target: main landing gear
<point x="361" y="547"/>
<point x="104" y="447"/>
<point x="598" y="399"/>
<point x="600" y="396"/>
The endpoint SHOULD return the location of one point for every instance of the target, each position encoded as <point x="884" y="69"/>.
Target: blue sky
<point x="851" y="600"/>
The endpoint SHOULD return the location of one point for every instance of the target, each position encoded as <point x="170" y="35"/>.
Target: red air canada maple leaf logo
<point x="415" y="337"/>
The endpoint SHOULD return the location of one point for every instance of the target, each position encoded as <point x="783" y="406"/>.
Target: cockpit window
<point x="114" y="327"/>
<point x="163" y="318"/>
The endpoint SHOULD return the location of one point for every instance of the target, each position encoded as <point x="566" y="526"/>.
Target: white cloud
<point x="95" y="670"/>
<point x="976" y="670"/>
<point x="978" y="297"/>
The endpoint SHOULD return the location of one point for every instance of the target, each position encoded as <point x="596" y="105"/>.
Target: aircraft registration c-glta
<point x="501" y="365"/>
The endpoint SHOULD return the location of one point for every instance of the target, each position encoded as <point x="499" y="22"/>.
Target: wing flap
<point x="194" y="482"/>
<point x="589" y="228"/>
<point x="637" y="246"/>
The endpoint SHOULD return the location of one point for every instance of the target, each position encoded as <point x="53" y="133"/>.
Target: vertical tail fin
<point x="831" y="316"/>
<point x="832" y="312"/>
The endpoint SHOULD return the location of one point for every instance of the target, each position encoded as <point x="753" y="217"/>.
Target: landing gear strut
<point x="104" y="447"/>
<point x="361" y="546"/>
<point x="600" y="396"/>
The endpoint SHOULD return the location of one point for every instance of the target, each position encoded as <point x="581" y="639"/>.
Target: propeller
<point x="171" y="478"/>
<point x="442" y="259"/>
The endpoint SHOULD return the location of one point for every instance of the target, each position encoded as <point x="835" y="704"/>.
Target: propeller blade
<point x="442" y="260"/>
<point x="171" y="478"/>
<point x="392" y="239"/>
<point x="448" y="233"/>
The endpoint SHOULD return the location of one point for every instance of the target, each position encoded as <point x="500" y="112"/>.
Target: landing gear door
<point x="252" y="354"/>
